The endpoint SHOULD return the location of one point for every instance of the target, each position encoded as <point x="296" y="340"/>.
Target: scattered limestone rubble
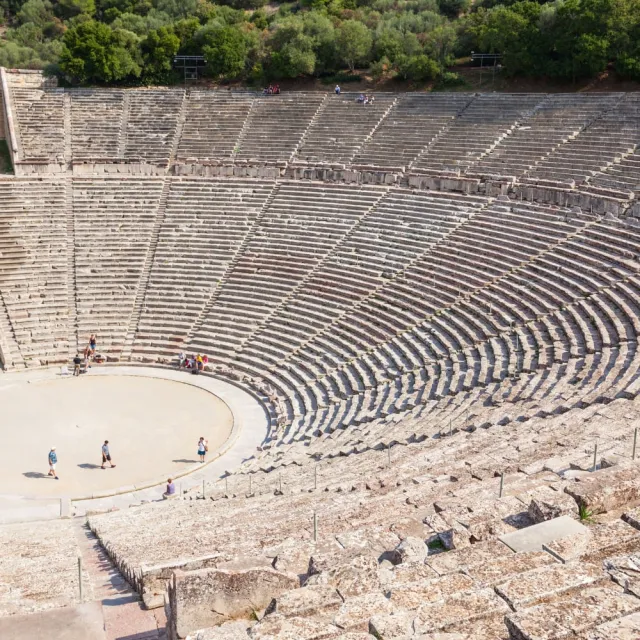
<point x="39" y="567"/>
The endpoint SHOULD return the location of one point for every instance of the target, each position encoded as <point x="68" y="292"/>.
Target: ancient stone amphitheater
<point x="435" y="297"/>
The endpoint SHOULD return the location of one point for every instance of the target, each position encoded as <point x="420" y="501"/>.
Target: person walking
<point x="53" y="460"/>
<point x="203" y="447"/>
<point x="106" y="456"/>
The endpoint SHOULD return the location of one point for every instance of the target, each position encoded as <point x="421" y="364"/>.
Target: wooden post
<point x="80" y="576"/>
<point x="226" y="486"/>
<point x="315" y="527"/>
<point x="203" y="489"/>
<point x="450" y="430"/>
<point x="595" y="456"/>
<point x="635" y="442"/>
<point x="501" y="484"/>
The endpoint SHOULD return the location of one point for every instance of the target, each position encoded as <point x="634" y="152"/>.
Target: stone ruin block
<point x="152" y="581"/>
<point x="547" y="503"/>
<point x="207" y="597"/>
<point x="607" y="489"/>
<point x="572" y="615"/>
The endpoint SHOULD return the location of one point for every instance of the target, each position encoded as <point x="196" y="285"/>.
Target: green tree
<point x="419" y="68"/>
<point x="353" y="41"/>
<point x="292" y="50"/>
<point x="93" y="52"/>
<point x="440" y="43"/>
<point x="158" y="49"/>
<point x="226" y="52"/>
<point x="453" y="8"/>
<point x="36" y="12"/>
<point x="69" y="8"/>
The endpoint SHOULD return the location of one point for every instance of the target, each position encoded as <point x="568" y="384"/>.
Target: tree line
<point x="134" y="41"/>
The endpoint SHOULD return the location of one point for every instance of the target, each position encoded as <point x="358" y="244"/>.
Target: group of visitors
<point x="53" y="459"/>
<point x="203" y="448"/>
<point x="81" y="364"/>
<point x="196" y="362"/>
<point x="363" y="98"/>
<point x="271" y="90"/>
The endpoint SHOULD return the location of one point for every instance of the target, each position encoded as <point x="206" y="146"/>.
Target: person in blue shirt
<point x="53" y="460"/>
<point x="337" y="89"/>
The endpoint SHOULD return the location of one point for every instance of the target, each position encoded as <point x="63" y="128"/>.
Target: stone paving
<point x="233" y="445"/>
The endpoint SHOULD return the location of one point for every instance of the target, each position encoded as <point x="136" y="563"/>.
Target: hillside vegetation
<point x="134" y="41"/>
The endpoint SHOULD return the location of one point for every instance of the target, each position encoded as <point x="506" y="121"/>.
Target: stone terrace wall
<point x="473" y="143"/>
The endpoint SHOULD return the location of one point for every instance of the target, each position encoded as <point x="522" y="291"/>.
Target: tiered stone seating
<point x="276" y="124"/>
<point x="605" y="141"/>
<point x="623" y="175"/>
<point x="403" y="226"/>
<point x="478" y="129"/>
<point x="411" y="125"/>
<point x="555" y="121"/>
<point x="299" y="229"/>
<point x="96" y="120"/>
<point x="33" y="278"/>
<point x="39" y="118"/>
<point x="341" y="127"/>
<point x="408" y="538"/>
<point x="114" y="220"/>
<point x="151" y="121"/>
<point x="438" y="366"/>
<point x="454" y="268"/>
<point x="39" y="567"/>
<point x="213" y="124"/>
<point x="205" y="224"/>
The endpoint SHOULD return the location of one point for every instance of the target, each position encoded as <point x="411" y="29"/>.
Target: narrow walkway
<point x="124" y="615"/>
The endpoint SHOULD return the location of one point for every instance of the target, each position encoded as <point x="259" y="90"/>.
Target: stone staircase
<point x="138" y="304"/>
<point x="237" y="257"/>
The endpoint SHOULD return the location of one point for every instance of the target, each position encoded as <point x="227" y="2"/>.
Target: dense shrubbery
<point x="134" y="41"/>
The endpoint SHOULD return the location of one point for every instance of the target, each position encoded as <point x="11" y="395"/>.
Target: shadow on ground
<point x="35" y="474"/>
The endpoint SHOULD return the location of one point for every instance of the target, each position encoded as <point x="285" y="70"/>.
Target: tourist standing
<point x="106" y="456"/>
<point x="77" y="361"/>
<point x="53" y="461"/>
<point x="203" y="447"/>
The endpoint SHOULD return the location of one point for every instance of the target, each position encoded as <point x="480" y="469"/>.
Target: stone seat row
<point x="144" y="125"/>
